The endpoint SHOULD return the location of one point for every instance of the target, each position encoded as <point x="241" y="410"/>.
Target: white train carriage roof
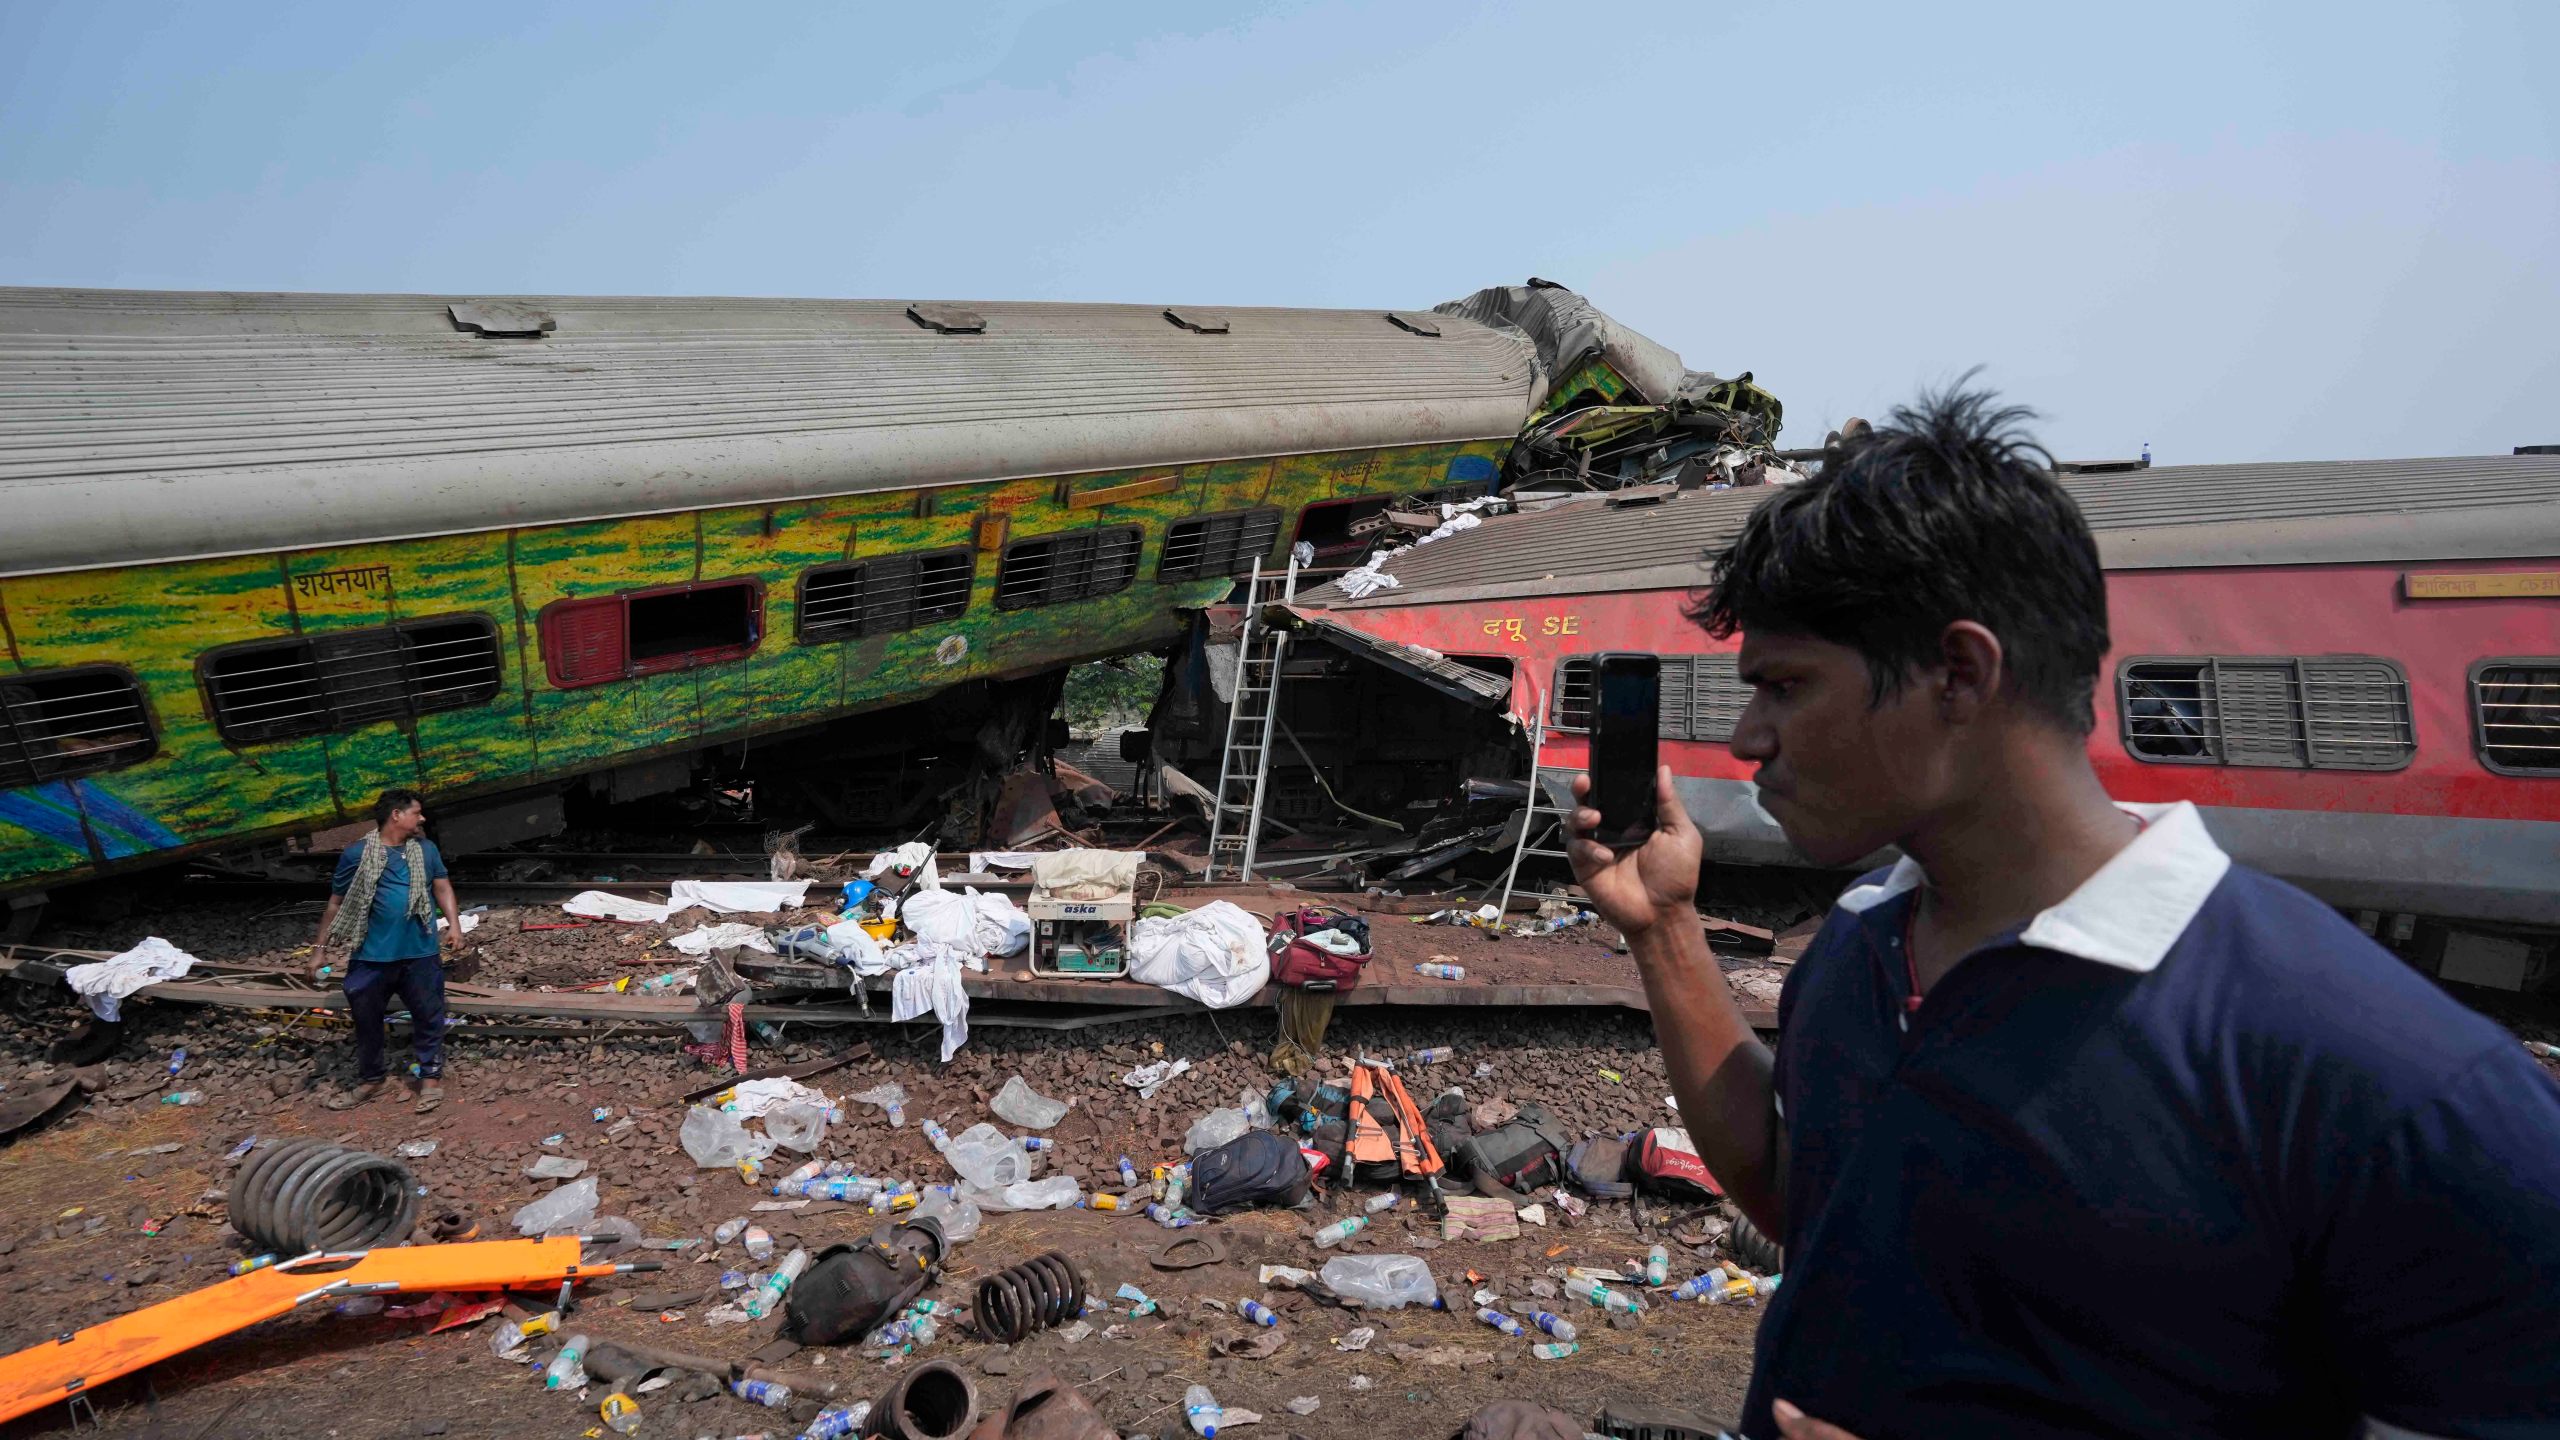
<point x="2463" y="507"/>
<point x="141" y="426"/>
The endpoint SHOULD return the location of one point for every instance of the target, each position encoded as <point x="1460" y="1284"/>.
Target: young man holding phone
<point x="2074" y="1127"/>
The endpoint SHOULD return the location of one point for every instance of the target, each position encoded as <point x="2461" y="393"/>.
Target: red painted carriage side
<point x="2285" y="610"/>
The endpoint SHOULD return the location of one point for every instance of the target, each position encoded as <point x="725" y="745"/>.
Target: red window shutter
<point x="583" y="643"/>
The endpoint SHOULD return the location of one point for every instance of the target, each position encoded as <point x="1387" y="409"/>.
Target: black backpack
<point x="1258" y="1167"/>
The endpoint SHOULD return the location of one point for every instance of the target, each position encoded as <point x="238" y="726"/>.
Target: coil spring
<point x="306" y="1195"/>
<point x="1038" y="1294"/>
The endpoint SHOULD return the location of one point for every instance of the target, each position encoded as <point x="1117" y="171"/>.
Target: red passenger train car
<point x="2352" y="667"/>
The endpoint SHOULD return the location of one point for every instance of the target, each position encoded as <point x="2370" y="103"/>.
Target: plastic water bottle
<point x="1701" y="1287"/>
<point x="897" y="1121"/>
<point x="1657" y="1266"/>
<point x="1258" y="1313"/>
<point x="769" y="1294"/>
<point x="621" y="1413"/>
<point x="884" y="1202"/>
<point x="1037" y="1143"/>
<point x="1555" y="1325"/>
<point x="1378" y="1204"/>
<point x="1554" y="1350"/>
<point x="1595" y="1293"/>
<point x="733" y="1279"/>
<point x="1766" y="1285"/>
<point x="1204" y="1411"/>
<point x="729" y="1230"/>
<point x="254" y="1262"/>
<point x="1174" y="1184"/>
<point x="570" y="1361"/>
<point x="1499" y="1321"/>
<point x="659" y="984"/>
<point x="1442" y="972"/>
<point x="1170" y="1218"/>
<point x="183" y="1097"/>
<point x="762" y="1392"/>
<point x="1128" y="1174"/>
<point x="1341" y="1230"/>
<point x="759" y="1244"/>
<point x="791" y="1183"/>
<point x="935" y="1135"/>
<point x="177" y="1062"/>
<point x="1433" y="1056"/>
<point x="838" y="1422"/>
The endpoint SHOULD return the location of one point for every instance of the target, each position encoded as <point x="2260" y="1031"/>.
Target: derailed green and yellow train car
<point x="263" y="555"/>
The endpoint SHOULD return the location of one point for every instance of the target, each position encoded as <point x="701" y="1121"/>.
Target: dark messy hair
<point x="1948" y="511"/>
<point x="392" y="802"/>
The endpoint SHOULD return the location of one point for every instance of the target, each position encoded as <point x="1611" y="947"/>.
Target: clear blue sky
<point x="2236" y="231"/>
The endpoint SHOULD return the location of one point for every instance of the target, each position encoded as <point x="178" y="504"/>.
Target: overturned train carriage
<point x="264" y="555"/>
<point x="2353" y="668"/>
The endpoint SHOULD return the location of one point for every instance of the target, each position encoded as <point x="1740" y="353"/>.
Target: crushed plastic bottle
<point x="1259" y="1313"/>
<point x="838" y="1422"/>
<point x="1341" y="1230"/>
<point x="1499" y="1321"/>
<point x="1442" y="972"/>
<point x="183" y="1097"/>
<point x="1766" y="1286"/>
<point x="729" y="1229"/>
<point x="936" y="1136"/>
<point x="762" y="1392"/>
<point x="415" y="1149"/>
<point x="568" y="1369"/>
<point x="177" y="1061"/>
<point x="1554" y="1350"/>
<point x="1377" y="1204"/>
<point x="1204" y="1412"/>
<point x="1170" y="1219"/>
<point x="621" y="1413"/>
<point x="254" y="1262"/>
<point x="1555" y="1325"/>
<point x="1141" y="1302"/>
<point x="1437" y="1054"/>
<point x="1657" y="1266"/>
<point x="1037" y="1143"/>
<point x="759" y="1244"/>
<point x="1128" y="1174"/>
<point x="357" y="1307"/>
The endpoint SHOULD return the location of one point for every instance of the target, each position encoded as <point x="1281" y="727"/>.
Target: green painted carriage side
<point x="199" y="792"/>
<point x="1594" y="378"/>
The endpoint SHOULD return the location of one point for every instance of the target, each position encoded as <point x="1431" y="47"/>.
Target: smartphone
<point x="1626" y="704"/>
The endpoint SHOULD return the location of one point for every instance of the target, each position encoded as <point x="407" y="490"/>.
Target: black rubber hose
<point x="305" y="1195"/>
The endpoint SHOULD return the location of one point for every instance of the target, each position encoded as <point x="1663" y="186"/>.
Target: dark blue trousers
<point x="419" y="985"/>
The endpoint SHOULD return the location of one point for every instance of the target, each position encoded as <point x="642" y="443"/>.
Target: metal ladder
<point x="1243" y="770"/>
<point x="1545" y="818"/>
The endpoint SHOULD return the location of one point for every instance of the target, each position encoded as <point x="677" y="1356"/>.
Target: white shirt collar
<point x="2126" y="915"/>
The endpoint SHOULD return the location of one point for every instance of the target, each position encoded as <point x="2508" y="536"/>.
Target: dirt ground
<point x="77" y="1197"/>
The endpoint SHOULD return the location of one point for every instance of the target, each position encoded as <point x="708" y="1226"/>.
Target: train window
<point x="1328" y="526"/>
<point x="643" y="632"/>
<point x="2515" y="709"/>
<point x="875" y="597"/>
<point x="55" y="724"/>
<point x="1217" y="544"/>
<point x="1702" y="696"/>
<point x="1077" y="565"/>
<point x="279" y="689"/>
<point x="2331" y="712"/>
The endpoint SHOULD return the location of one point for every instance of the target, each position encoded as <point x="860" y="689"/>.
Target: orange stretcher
<point x="78" y="1361"/>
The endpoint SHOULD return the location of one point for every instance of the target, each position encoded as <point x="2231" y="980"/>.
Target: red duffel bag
<point x="1318" y="948"/>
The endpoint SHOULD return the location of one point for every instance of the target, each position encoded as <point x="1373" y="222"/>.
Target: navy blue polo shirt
<point x="2185" y="1155"/>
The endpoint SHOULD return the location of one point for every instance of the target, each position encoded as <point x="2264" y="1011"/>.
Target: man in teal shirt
<point x="381" y="923"/>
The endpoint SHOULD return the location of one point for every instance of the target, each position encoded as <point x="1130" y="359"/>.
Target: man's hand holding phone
<point x="1639" y="888"/>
